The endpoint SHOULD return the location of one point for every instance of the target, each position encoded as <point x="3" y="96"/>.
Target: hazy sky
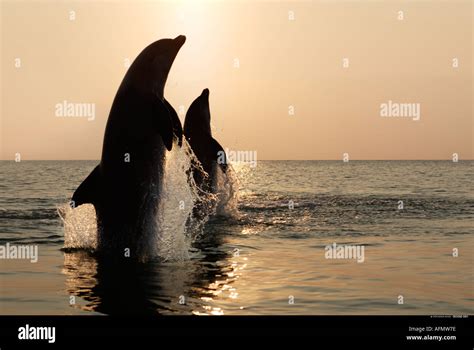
<point x="284" y="59"/>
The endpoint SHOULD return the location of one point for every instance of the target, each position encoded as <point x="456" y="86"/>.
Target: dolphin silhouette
<point x="125" y="187"/>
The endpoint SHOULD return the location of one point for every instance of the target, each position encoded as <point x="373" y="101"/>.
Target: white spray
<point x="171" y="236"/>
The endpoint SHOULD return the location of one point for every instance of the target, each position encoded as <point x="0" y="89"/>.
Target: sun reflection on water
<point x="223" y="287"/>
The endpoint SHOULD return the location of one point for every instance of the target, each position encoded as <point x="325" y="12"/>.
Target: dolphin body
<point x="197" y="131"/>
<point x="125" y="187"/>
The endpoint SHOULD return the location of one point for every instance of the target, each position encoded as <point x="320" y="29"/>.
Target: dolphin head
<point x="150" y="69"/>
<point x="198" y="117"/>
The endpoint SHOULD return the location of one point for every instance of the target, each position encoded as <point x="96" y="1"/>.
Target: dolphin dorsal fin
<point x="162" y="120"/>
<point x="88" y="191"/>
<point x="177" y="128"/>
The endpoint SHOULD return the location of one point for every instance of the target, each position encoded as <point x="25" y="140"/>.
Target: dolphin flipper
<point x="163" y="121"/>
<point x="219" y="152"/>
<point x="88" y="191"/>
<point x="177" y="128"/>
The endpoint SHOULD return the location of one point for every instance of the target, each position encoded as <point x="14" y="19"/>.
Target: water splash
<point x="177" y="227"/>
<point x="80" y="226"/>
<point x="227" y="193"/>
<point x="170" y="235"/>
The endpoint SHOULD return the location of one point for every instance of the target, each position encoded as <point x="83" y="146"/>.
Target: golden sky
<point x="288" y="54"/>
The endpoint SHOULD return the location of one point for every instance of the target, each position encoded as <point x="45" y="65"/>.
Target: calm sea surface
<point x="272" y="259"/>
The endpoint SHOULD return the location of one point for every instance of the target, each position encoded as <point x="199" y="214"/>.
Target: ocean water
<point x="267" y="259"/>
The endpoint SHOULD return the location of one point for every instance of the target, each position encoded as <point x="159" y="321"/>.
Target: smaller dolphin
<point x="197" y="131"/>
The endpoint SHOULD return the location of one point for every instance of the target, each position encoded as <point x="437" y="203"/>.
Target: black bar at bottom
<point x="411" y="331"/>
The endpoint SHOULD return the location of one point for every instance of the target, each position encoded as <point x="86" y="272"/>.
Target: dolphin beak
<point x="179" y="41"/>
<point x="205" y="93"/>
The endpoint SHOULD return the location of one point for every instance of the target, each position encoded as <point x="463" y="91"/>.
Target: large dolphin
<point x="125" y="187"/>
<point x="211" y="155"/>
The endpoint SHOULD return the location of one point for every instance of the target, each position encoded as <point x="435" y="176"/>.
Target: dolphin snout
<point x="180" y="40"/>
